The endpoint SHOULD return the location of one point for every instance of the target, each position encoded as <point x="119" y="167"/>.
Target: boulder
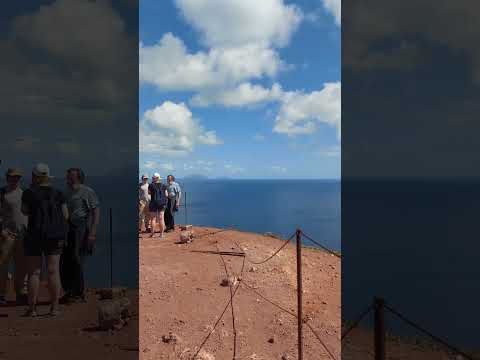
<point x="186" y="237"/>
<point x="113" y="314"/>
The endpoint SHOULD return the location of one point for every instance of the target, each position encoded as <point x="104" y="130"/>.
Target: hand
<point x="91" y="240"/>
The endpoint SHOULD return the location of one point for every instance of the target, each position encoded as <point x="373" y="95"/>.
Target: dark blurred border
<point x="410" y="180"/>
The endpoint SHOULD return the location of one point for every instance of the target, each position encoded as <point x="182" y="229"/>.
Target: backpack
<point x="159" y="195"/>
<point x="49" y="222"/>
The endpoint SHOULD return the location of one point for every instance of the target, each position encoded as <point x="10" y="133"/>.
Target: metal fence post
<point x="299" y="294"/>
<point x="111" y="246"/>
<point x="379" y="308"/>
<point x="186" y="209"/>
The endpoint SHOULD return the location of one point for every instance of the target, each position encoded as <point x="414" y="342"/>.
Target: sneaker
<point x="3" y="301"/>
<point x="54" y="312"/>
<point x="31" y="313"/>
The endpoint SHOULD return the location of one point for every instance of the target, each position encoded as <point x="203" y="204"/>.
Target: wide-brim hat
<point x="14" y="172"/>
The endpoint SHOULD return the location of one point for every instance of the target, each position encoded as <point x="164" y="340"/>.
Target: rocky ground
<point x="72" y="335"/>
<point x="181" y="298"/>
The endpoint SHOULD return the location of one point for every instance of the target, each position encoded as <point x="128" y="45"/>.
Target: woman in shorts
<point x="45" y="237"/>
<point x="158" y="202"/>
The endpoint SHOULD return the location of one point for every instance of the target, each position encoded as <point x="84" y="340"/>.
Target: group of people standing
<point x="158" y="203"/>
<point x="47" y="223"/>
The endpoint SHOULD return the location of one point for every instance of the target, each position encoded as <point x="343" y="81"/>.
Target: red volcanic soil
<point x="180" y="293"/>
<point x="72" y="335"/>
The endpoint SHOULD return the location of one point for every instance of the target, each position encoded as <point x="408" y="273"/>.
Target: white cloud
<point x="240" y="22"/>
<point x="234" y="170"/>
<point x="200" y="165"/>
<point x="170" y="66"/>
<point x="26" y="143"/>
<point x="335" y="8"/>
<point x="280" y="169"/>
<point x="170" y="129"/>
<point x="244" y="94"/>
<point x="300" y="113"/>
<point x="153" y="165"/>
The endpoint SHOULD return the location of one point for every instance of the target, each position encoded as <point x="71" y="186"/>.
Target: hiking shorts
<point x="36" y="246"/>
<point x="157" y="206"/>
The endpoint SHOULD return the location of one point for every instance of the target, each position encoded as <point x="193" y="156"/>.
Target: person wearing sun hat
<point x="47" y="213"/>
<point x="158" y="202"/>
<point x="143" y="203"/>
<point x="15" y="223"/>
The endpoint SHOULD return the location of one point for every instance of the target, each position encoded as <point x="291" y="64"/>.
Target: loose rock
<point x="171" y="338"/>
<point x="113" y="314"/>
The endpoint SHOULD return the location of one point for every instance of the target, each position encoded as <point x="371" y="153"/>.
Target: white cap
<point x="42" y="170"/>
<point x="157" y="175"/>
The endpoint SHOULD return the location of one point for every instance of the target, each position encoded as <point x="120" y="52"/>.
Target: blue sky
<point x="242" y="89"/>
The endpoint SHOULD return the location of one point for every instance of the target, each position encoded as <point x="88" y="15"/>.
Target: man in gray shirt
<point x="83" y="207"/>
<point x="15" y="223"/>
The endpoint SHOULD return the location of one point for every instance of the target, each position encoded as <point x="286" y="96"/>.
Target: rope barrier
<point x="320" y="245"/>
<point x="292" y="314"/>
<point x="216" y="323"/>
<point x="231" y="306"/>
<point x="212" y="233"/>
<point x="242" y="282"/>
<point x="428" y="333"/>
<point x="357" y="321"/>
<point x="268" y="258"/>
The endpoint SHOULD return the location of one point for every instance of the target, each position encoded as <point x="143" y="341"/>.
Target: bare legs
<point x="157" y="218"/>
<point x="162" y="222"/>
<point x="34" y="266"/>
<point x="53" y="280"/>
<point x="34" y="269"/>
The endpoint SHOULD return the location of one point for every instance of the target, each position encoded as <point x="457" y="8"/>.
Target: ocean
<point x="276" y="206"/>
<point x="414" y="243"/>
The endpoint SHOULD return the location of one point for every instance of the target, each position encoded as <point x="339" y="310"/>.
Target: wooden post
<point x="378" y="304"/>
<point x="299" y="294"/>
<point x="111" y="246"/>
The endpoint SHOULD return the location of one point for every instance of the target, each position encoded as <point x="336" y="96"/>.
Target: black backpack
<point x="49" y="221"/>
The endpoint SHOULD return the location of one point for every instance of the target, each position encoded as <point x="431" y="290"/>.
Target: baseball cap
<point x="14" y="172"/>
<point x="42" y="170"/>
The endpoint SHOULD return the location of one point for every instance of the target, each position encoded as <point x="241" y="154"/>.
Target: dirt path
<point x="181" y="293"/>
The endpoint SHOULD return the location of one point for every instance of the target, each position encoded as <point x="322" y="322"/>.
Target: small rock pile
<point x="113" y="309"/>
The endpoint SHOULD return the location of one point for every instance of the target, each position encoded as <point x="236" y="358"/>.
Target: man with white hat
<point x="15" y="223"/>
<point x="144" y="203"/>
